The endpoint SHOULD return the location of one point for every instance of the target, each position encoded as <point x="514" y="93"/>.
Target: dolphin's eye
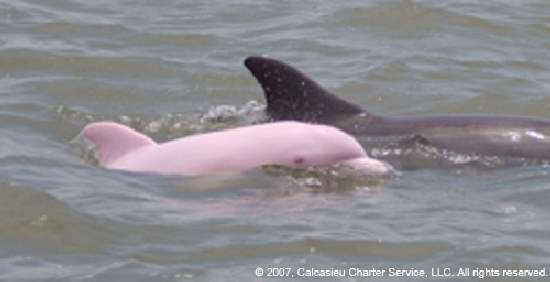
<point x="298" y="160"/>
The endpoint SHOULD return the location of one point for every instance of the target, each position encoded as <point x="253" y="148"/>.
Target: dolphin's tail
<point x="291" y="95"/>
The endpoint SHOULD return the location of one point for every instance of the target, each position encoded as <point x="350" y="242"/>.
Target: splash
<point x="251" y="112"/>
<point x="326" y="179"/>
<point x="170" y="125"/>
<point x="66" y="113"/>
<point x="416" y="154"/>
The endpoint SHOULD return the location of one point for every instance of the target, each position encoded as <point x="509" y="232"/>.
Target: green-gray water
<point x="173" y="68"/>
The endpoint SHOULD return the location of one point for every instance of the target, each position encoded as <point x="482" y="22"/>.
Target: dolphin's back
<point x="244" y="148"/>
<point x="291" y="95"/>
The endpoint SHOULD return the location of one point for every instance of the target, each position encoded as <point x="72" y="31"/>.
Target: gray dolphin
<point x="291" y="95"/>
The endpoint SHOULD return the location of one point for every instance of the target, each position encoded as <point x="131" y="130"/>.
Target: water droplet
<point x="41" y="220"/>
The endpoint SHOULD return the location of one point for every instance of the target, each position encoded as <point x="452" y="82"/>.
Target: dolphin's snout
<point x="370" y="167"/>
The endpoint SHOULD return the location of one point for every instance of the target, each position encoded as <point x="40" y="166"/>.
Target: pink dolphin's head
<point x="113" y="140"/>
<point x="333" y="146"/>
<point x="314" y="145"/>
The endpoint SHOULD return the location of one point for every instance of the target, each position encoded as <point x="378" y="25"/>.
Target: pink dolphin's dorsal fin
<point x="113" y="141"/>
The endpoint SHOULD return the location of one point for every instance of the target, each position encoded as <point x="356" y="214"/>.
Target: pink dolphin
<point x="291" y="144"/>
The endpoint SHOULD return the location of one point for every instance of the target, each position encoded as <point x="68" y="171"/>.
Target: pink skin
<point x="291" y="144"/>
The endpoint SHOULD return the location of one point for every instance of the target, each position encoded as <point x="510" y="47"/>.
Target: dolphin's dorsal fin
<point x="113" y="141"/>
<point x="291" y="95"/>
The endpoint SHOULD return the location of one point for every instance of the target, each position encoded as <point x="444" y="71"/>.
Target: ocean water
<point x="174" y="68"/>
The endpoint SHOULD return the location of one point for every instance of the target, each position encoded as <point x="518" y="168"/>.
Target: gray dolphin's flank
<point x="291" y="95"/>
